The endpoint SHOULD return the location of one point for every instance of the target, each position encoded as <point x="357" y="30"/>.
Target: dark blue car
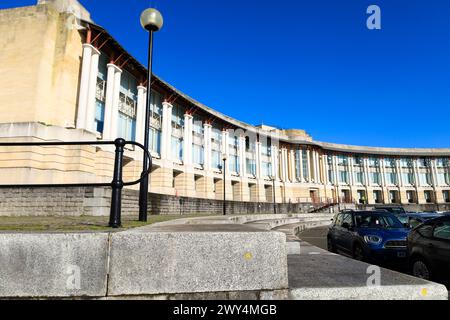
<point x="372" y="236"/>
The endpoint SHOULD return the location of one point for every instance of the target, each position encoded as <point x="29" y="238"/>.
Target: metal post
<point x="117" y="186"/>
<point x="274" y="201"/>
<point x="224" y="187"/>
<point x="143" y="188"/>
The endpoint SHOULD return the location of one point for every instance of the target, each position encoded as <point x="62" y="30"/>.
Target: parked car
<point x="369" y="236"/>
<point x="429" y="250"/>
<point x="412" y="220"/>
<point x="391" y="209"/>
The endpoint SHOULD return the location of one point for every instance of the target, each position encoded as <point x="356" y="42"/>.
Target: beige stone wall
<point x="40" y="62"/>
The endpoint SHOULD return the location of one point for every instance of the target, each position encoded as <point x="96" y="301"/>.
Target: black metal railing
<point x="116" y="184"/>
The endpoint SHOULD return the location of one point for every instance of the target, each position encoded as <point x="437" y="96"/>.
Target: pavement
<point x="317" y="237"/>
<point x="314" y="273"/>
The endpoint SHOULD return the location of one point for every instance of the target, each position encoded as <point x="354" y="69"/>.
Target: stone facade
<point x="64" y="78"/>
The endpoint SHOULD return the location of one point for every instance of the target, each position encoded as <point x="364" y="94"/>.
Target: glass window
<point x="359" y="177"/>
<point x="426" y="231"/>
<point x="375" y="177"/>
<point x="266" y="169"/>
<point x="342" y="160"/>
<point x="99" y="115"/>
<point x="216" y="159"/>
<point x="127" y="106"/>
<point x="251" y="166"/>
<point x="305" y="164"/>
<point x="343" y="176"/>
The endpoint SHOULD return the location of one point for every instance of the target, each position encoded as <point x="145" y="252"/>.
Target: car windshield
<point x="377" y="221"/>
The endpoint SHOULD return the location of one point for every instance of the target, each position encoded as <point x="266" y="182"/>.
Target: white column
<point x="292" y="166"/>
<point x="351" y="176"/>
<point x="225" y="149"/>
<point x="399" y="172"/>
<point x="258" y="159"/>
<point x="317" y="166"/>
<point x="416" y="173"/>
<point x="166" y="130"/>
<point x="84" y="85"/>
<point x="302" y="176"/>
<point x="187" y="140"/>
<point x="114" y="133"/>
<point x="140" y="114"/>
<point x="335" y="171"/>
<point x="382" y="173"/>
<point x="434" y="173"/>
<point x="366" y="172"/>
<point x="207" y="146"/>
<point x="325" y="164"/>
<point x="107" y="133"/>
<point x="242" y="156"/>
<point x="90" y="105"/>
<point x="308" y="161"/>
<point x="274" y="160"/>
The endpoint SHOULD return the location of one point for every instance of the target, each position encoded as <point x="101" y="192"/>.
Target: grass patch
<point x="73" y="224"/>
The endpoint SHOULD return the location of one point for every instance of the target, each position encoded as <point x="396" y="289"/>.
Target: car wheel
<point x="330" y="245"/>
<point x="420" y="269"/>
<point x="358" y="252"/>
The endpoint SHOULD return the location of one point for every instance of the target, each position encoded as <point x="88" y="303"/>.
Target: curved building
<point x="65" y="78"/>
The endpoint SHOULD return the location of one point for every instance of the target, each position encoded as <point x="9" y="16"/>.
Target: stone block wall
<point x="96" y="202"/>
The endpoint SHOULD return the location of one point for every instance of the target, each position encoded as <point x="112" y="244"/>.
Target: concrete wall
<point x="96" y="201"/>
<point x="98" y="265"/>
<point x="40" y="66"/>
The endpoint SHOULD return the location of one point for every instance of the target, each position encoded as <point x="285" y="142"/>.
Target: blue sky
<point x="310" y="64"/>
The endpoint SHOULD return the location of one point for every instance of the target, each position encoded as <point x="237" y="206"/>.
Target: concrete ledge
<point x="53" y="265"/>
<point x="181" y="262"/>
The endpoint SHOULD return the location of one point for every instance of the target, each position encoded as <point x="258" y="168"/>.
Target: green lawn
<point x="83" y="223"/>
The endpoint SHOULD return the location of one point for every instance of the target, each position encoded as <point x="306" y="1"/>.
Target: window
<point x="408" y="178"/>
<point x="99" y="115"/>
<point x="177" y="132"/>
<point x="442" y="230"/>
<point x="425" y="178"/>
<point x="100" y="94"/>
<point x="358" y="160"/>
<point x="155" y="122"/>
<point x="428" y="196"/>
<point x="373" y="162"/>
<point x="197" y="141"/>
<point x="391" y="178"/>
<point x="446" y="195"/>
<point x="127" y="106"/>
<point x="297" y="164"/>
<point x="266" y="146"/>
<point x="216" y="148"/>
<point x="233" y="143"/>
<point x="342" y="160"/>
<point x="347" y="218"/>
<point x="359" y="177"/>
<point x="305" y="164"/>
<point x="426" y="231"/>
<point x="389" y="162"/>
<point x="251" y="166"/>
<point x="338" y="220"/>
<point x="375" y="178"/>
<point x="343" y="176"/>
<point x="266" y="169"/>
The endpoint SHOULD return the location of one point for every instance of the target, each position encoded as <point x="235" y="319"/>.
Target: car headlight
<point x="373" y="239"/>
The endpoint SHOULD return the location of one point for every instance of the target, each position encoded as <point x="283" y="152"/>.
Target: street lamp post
<point x="273" y="190"/>
<point x="224" y="169"/>
<point x="152" y="21"/>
